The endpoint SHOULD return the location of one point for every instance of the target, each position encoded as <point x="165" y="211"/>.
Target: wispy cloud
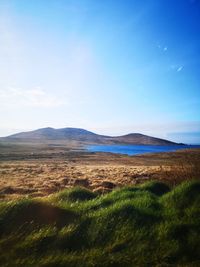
<point x="35" y="97"/>
<point x="176" y="67"/>
<point x="180" y="68"/>
<point x="163" y="48"/>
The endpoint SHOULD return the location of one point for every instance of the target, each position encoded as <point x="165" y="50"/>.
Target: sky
<point x="109" y="66"/>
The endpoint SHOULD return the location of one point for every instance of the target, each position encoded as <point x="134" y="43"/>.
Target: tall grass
<point x="146" y="225"/>
<point x="186" y="170"/>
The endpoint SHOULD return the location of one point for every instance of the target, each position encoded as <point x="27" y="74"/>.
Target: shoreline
<point x="118" y="149"/>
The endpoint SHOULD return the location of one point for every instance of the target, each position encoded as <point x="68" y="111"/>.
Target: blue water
<point x="137" y="149"/>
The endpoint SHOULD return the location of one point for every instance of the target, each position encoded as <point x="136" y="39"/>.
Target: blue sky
<point x="108" y="66"/>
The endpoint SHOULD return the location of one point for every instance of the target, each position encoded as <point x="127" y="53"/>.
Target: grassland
<point x="151" y="224"/>
<point x="61" y="206"/>
<point x="32" y="170"/>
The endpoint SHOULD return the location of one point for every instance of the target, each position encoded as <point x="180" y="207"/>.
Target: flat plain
<point x="32" y="170"/>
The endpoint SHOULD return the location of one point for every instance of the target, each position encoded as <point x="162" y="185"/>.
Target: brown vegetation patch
<point x="99" y="172"/>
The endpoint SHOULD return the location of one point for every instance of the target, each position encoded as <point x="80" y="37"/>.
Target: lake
<point x="137" y="149"/>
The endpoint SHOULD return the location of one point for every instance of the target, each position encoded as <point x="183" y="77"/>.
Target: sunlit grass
<point x="145" y="225"/>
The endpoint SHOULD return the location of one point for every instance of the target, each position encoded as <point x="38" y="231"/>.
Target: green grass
<point x="146" y="225"/>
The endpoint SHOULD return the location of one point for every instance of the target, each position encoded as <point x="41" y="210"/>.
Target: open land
<point x="42" y="169"/>
<point x="53" y="212"/>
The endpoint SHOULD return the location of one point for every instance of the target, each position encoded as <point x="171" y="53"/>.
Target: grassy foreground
<point x="146" y="225"/>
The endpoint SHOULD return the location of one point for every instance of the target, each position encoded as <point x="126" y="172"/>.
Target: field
<point x="42" y="169"/>
<point x="61" y="206"/>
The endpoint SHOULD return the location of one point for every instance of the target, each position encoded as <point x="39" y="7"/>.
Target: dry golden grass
<point x="181" y="171"/>
<point x="97" y="171"/>
<point x="19" y="178"/>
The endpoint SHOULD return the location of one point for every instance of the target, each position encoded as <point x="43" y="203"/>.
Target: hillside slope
<point x="84" y="136"/>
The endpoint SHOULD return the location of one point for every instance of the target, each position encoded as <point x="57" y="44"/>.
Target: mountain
<point x="84" y="136"/>
<point x="137" y="138"/>
<point x="57" y="134"/>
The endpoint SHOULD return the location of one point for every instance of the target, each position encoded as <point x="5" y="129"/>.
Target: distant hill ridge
<point x="84" y="136"/>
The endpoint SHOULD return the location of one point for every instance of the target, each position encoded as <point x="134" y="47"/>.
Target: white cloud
<point x="176" y="67"/>
<point x="179" y="68"/>
<point x="162" y="48"/>
<point x="35" y="97"/>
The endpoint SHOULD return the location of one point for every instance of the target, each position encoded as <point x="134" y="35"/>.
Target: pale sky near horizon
<point x="112" y="67"/>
